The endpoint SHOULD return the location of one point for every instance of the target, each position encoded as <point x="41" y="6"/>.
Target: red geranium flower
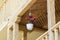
<point x="31" y="18"/>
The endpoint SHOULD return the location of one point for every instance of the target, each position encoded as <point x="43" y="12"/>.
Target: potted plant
<point x="30" y="24"/>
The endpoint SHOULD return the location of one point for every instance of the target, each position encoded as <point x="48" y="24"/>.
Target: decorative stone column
<point x="51" y="16"/>
<point x="15" y="31"/>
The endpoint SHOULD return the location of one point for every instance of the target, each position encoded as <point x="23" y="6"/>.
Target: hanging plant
<point x="30" y="19"/>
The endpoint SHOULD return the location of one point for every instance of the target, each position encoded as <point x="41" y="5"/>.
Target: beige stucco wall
<point x="3" y="34"/>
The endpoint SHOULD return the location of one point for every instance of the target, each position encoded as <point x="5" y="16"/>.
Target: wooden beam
<point x="27" y="7"/>
<point x="51" y="13"/>
<point x="10" y="32"/>
<point x="25" y="35"/>
<point x="51" y="16"/>
<point x="15" y="31"/>
<point x="56" y="34"/>
<point x="59" y="32"/>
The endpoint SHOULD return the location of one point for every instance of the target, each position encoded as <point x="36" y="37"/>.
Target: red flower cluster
<point x="31" y="18"/>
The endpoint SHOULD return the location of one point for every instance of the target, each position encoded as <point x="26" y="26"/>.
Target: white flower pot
<point x="29" y="26"/>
